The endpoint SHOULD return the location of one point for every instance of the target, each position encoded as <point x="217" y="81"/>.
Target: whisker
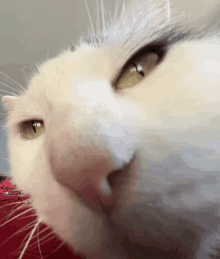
<point x="2" y="95"/>
<point x="6" y="218"/>
<point x="17" y="232"/>
<point x="131" y="47"/>
<point x="26" y="237"/>
<point x="26" y="227"/>
<point x="29" y="225"/>
<point x="11" y="87"/>
<point x="104" y="27"/>
<point x="90" y="19"/>
<point x="42" y="239"/>
<point x="116" y="10"/>
<point x="39" y="243"/>
<point x="12" y="80"/>
<point x="29" y="239"/>
<point x="98" y="16"/>
<point x="43" y="230"/>
<point x="29" y="216"/>
<point x="109" y="16"/>
<point x="15" y="217"/>
<point x="22" y="205"/>
<point x="38" y="234"/>
<point x="33" y="215"/>
<point x="123" y="8"/>
<point x="7" y="92"/>
<point x="62" y="243"/>
<point x="11" y="203"/>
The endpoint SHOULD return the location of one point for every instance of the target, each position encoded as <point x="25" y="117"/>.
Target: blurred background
<point x="31" y="32"/>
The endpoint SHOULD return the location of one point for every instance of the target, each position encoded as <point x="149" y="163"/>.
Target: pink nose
<point x="84" y="176"/>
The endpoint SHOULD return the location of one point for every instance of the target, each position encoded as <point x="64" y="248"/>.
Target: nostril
<point x="113" y="178"/>
<point x="117" y="177"/>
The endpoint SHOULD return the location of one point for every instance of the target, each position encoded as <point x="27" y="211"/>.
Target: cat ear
<point x="8" y="102"/>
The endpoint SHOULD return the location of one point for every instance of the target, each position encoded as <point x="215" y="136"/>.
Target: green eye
<point x="32" y="129"/>
<point x="136" y="70"/>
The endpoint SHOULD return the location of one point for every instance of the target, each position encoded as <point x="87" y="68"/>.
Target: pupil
<point x="33" y="125"/>
<point x="139" y="69"/>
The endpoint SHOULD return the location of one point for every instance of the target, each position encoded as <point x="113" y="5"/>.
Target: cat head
<point x="117" y="142"/>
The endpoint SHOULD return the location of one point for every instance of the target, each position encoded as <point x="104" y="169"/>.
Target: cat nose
<point x="87" y="174"/>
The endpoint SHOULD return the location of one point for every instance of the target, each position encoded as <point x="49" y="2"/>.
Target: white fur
<point x="168" y="197"/>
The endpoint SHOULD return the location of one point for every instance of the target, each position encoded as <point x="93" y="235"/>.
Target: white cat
<point x="118" y="141"/>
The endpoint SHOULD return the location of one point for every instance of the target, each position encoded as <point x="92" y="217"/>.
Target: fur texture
<point x="131" y="173"/>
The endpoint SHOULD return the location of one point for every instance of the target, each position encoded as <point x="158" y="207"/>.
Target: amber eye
<point x="32" y="129"/>
<point x="136" y="70"/>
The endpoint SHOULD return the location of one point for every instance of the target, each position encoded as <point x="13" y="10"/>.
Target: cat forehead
<point x="85" y="63"/>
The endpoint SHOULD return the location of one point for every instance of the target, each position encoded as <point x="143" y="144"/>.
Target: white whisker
<point x="11" y="83"/>
<point x="11" y="87"/>
<point x="22" y="205"/>
<point x="45" y="237"/>
<point x="7" y="92"/>
<point x="12" y="80"/>
<point x="26" y="227"/>
<point x="98" y="16"/>
<point x="62" y="243"/>
<point x="109" y="16"/>
<point x="29" y="216"/>
<point x="103" y="18"/>
<point x="29" y="225"/>
<point x="90" y="19"/>
<point x="123" y="8"/>
<point x="11" y="203"/>
<point x="42" y="239"/>
<point x="116" y="12"/>
<point x="15" y="217"/>
<point x="39" y="243"/>
<point x="29" y="239"/>
<point x="2" y="95"/>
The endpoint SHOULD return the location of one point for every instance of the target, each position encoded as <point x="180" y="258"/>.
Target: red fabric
<point x="13" y="233"/>
<point x="7" y="183"/>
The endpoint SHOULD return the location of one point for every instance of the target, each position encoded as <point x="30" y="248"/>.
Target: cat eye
<point x="32" y="129"/>
<point x="138" y="67"/>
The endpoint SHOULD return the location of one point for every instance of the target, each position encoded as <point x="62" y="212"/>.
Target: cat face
<point x="117" y="142"/>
